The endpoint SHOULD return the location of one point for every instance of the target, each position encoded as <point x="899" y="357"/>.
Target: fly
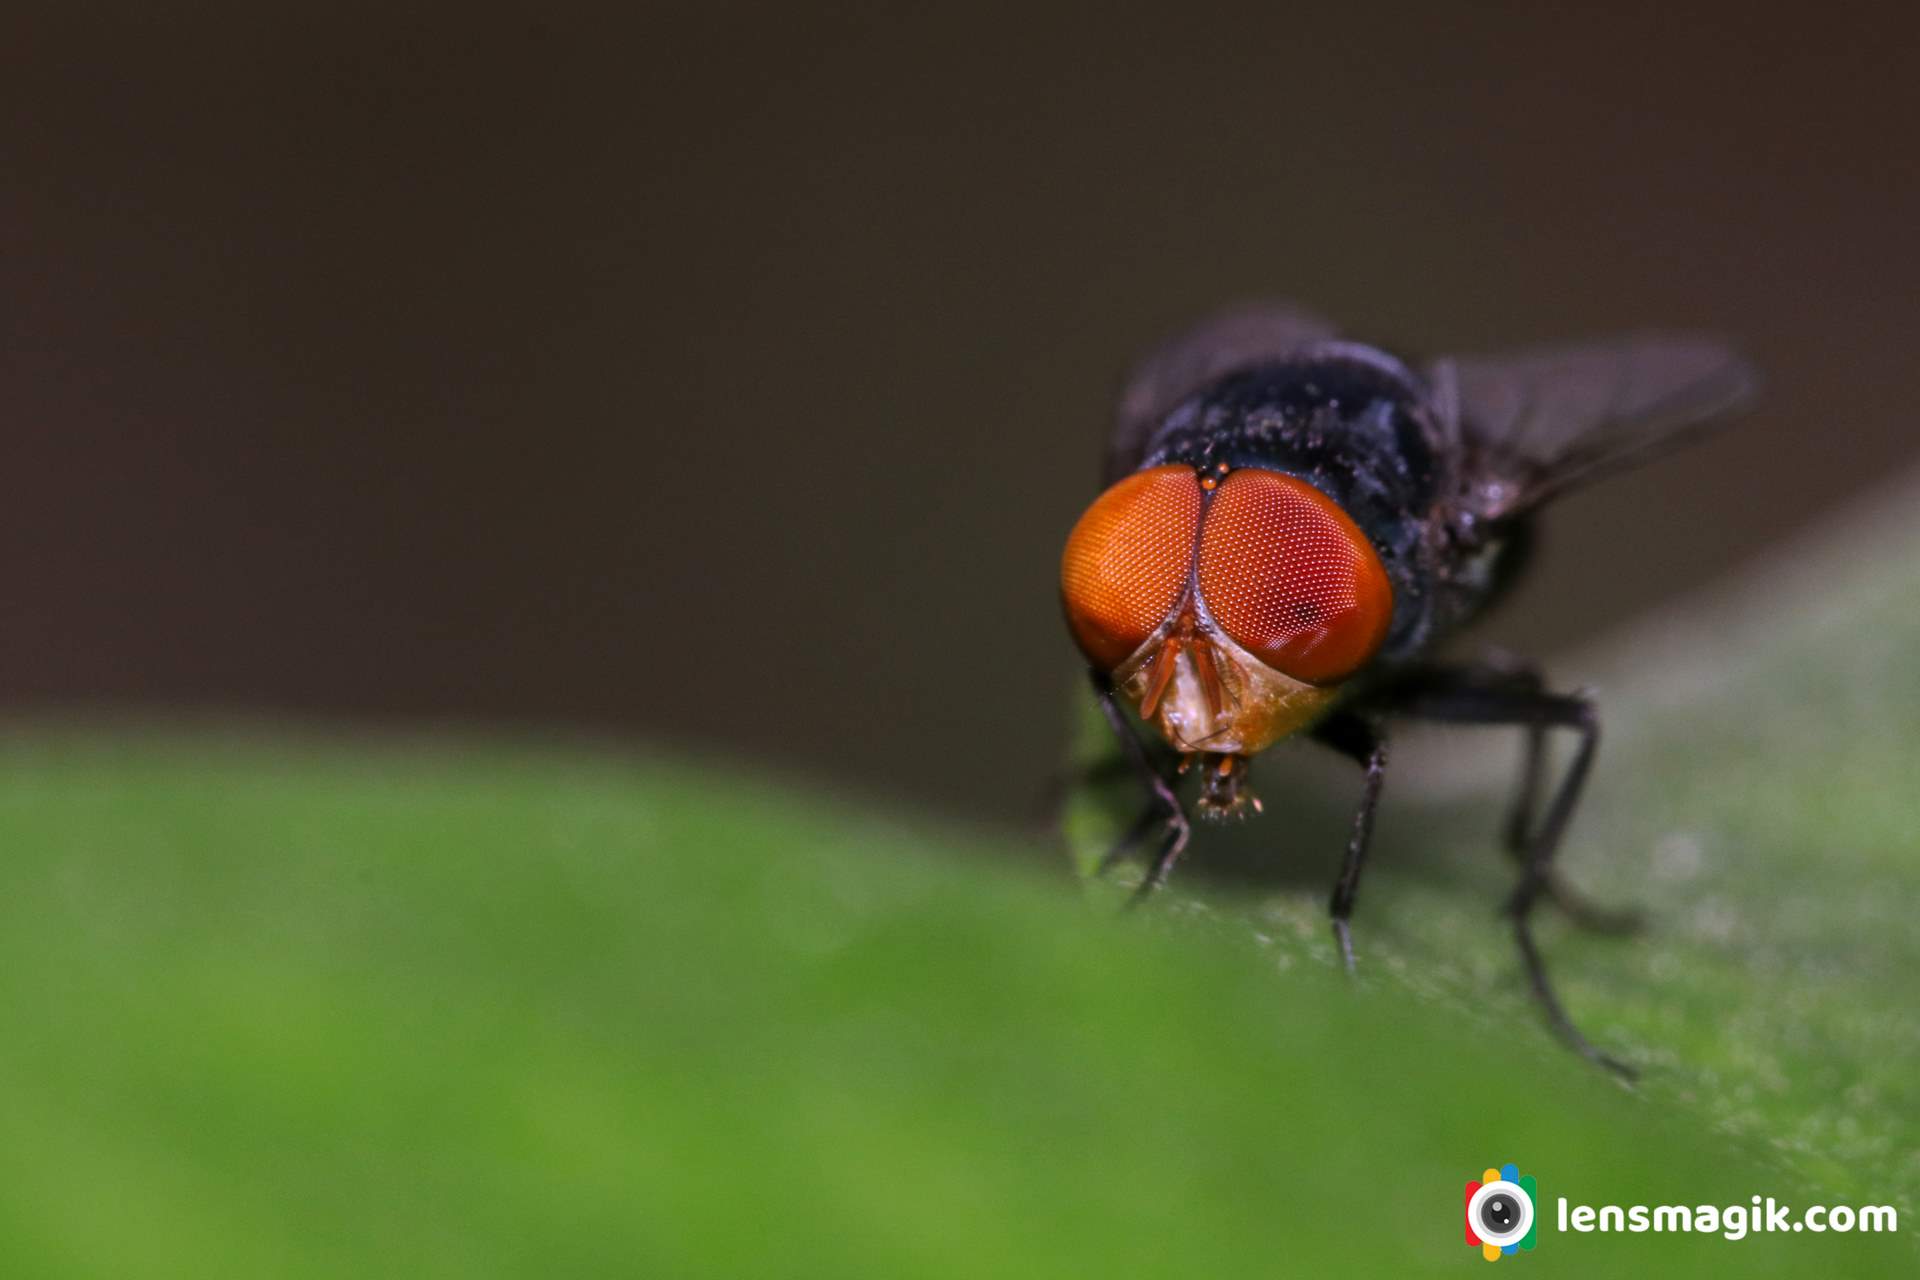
<point x="1292" y="524"/>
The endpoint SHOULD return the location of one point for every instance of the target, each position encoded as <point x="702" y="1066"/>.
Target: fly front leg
<point x="1475" y="696"/>
<point x="1164" y="814"/>
<point x="1364" y="742"/>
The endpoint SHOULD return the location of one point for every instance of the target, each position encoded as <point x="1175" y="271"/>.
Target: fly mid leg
<point x="1364" y="741"/>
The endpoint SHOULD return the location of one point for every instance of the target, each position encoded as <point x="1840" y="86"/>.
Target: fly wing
<point x="1534" y="424"/>
<point x="1218" y="345"/>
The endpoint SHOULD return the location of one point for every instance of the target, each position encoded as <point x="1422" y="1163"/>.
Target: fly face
<point x="1229" y="604"/>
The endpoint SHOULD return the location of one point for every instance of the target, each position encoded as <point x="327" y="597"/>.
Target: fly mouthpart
<point x="1223" y="789"/>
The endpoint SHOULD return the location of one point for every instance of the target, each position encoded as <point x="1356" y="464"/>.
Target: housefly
<point x="1293" y="522"/>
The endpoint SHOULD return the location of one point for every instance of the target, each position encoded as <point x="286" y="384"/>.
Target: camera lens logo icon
<point x="1500" y="1212"/>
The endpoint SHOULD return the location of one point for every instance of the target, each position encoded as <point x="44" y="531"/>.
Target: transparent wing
<point x="1533" y="424"/>
<point x="1223" y="342"/>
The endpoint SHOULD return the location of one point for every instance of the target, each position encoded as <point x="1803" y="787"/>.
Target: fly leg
<point x="1164" y="810"/>
<point x="1518" y="833"/>
<point x="1475" y="696"/>
<point x="1521" y="837"/>
<point x="1365" y="743"/>
<point x="1151" y="820"/>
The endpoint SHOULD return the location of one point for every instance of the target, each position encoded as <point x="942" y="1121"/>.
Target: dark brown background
<point x="729" y="377"/>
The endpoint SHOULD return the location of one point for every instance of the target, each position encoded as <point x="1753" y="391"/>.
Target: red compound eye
<point x="1127" y="561"/>
<point x="1289" y="576"/>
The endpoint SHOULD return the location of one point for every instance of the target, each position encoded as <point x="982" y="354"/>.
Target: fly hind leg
<point x="1469" y="696"/>
<point x="1518" y="831"/>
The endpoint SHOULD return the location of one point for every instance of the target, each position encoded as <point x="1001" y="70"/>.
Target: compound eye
<point x="1289" y="576"/>
<point x="1126" y="563"/>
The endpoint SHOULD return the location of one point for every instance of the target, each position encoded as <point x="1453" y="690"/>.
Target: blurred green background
<point x="592" y="458"/>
